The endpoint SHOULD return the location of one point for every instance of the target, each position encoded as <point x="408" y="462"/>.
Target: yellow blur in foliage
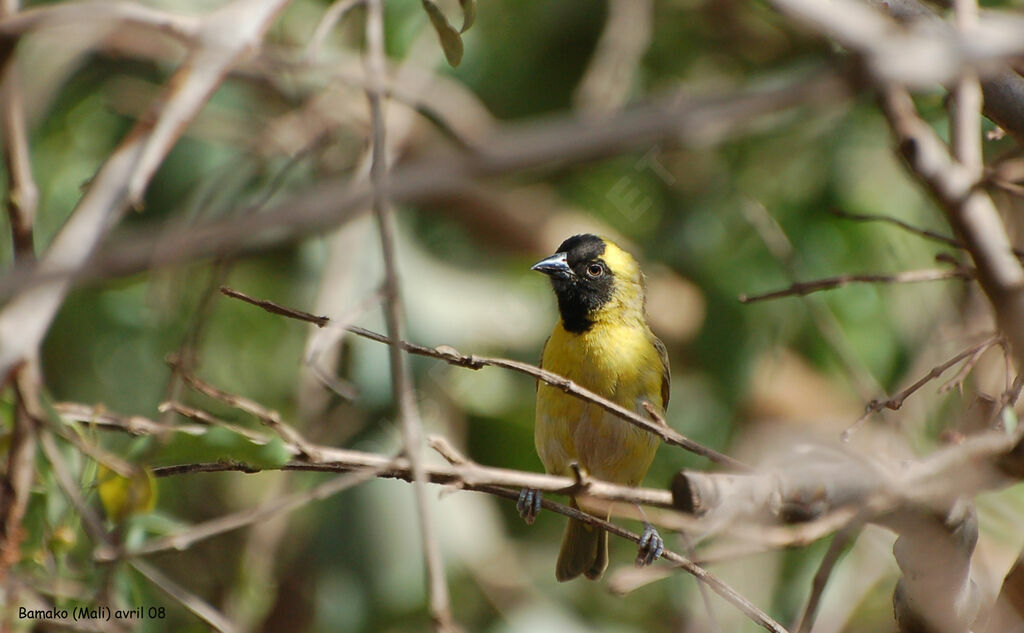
<point x="125" y="496"/>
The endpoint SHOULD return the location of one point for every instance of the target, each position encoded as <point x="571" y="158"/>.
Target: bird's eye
<point x="595" y="270"/>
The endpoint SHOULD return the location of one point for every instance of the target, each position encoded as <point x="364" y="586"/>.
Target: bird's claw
<point x="651" y="546"/>
<point x="528" y="504"/>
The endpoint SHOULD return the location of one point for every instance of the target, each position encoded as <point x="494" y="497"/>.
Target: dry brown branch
<point x="207" y="420"/>
<point x="1002" y="87"/>
<point x="607" y="82"/>
<point x="186" y="28"/>
<point x="453" y="357"/>
<point x="802" y="288"/>
<point x="823" y="479"/>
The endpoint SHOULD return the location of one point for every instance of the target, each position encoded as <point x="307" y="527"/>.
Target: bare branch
<point x="845" y="537"/>
<point x="925" y="233"/>
<point x="184" y="27"/>
<point x="896" y="402"/>
<point x="22" y="193"/>
<point x="909" y="277"/>
<point x="271" y="419"/>
<point x="331" y="17"/>
<point x="913" y="57"/>
<point x="131" y="424"/>
<point x="401" y="376"/>
<point x="969" y="210"/>
<point x="19" y="473"/>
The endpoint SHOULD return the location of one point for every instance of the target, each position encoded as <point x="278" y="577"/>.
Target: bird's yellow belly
<point x="569" y="430"/>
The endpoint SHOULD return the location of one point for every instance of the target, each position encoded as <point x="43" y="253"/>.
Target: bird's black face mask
<point x="581" y="279"/>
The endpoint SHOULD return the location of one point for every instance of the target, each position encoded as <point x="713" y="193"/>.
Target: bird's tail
<point x="584" y="551"/>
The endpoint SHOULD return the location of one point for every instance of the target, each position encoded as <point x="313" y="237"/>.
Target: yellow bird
<point x="603" y="343"/>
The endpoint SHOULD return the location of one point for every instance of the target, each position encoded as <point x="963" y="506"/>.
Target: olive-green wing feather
<point x="666" y="376"/>
<point x="540" y="361"/>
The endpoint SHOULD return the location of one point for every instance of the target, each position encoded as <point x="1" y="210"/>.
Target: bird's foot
<point x="529" y="504"/>
<point x="651" y="546"/>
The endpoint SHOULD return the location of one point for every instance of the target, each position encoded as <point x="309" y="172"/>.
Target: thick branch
<point x="699" y="120"/>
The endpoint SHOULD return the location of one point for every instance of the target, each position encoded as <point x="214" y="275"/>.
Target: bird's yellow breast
<point x="617" y="360"/>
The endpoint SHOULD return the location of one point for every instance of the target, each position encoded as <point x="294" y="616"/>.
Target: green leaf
<point x="451" y="41"/>
<point x="468" y="14"/>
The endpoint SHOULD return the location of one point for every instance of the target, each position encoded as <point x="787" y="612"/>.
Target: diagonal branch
<point x="452" y="356"/>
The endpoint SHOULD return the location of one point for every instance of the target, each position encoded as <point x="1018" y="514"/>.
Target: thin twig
<point x="925" y="233"/>
<point x="780" y="246"/>
<point x="401" y="377"/>
<point x="452" y="356"/>
<point x="189" y="600"/>
<point x="835" y="549"/>
<point x="207" y="420"/>
<point x="331" y="17"/>
<point x="92" y="522"/>
<point x="19" y="471"/>
<point x="229" y="522"/>
<point x="801" y="288"/>
<point x="965" y="370"/>
<point x="755" y="614"/>
<point x="136" y="425"/>
<point x="896" y="402"/>
<point x="271" y="419"/>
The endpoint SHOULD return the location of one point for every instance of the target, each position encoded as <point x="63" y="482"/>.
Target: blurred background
<point x="709" y="223"/>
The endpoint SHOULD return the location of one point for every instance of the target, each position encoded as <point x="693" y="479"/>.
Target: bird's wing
<point x="666" y="377"/>
<point x="540" y="361"/>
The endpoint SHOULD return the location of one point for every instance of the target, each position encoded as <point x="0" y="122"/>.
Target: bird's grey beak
<point x="554" y="266"/>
